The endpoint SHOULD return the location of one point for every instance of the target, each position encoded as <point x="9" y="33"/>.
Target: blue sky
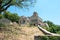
<point x="46" y="9"/>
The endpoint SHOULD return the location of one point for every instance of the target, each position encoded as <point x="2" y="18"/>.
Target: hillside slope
<point x="15" y="32"/>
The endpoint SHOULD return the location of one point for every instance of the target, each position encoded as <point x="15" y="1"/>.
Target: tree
<point x="1" y="16"/>
<point x="14" y="17"/>
<point x="11" y="16"/>
<point x="5" y="4"/>
<point x="7" y="14"/>
<point x="53" y="28"/>
<point x="51" y="25"/>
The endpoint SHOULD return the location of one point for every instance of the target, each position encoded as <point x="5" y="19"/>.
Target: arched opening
<point x="34" y="25"/>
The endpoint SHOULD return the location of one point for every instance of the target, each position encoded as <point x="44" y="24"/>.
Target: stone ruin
<point x="33" y="20"/>
<point x="5" y="21"/>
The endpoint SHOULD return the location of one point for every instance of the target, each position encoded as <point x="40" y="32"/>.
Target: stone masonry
<point x="33" y="20"/>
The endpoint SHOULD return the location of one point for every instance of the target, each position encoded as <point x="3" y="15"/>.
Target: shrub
<point x="2" y="25"/>
<point x="47" y="38"/>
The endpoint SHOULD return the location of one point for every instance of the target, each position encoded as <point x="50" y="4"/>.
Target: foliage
<point x="49" y="23"/>
<point x="11" y="16"/>
<point x="2" y="25"/>
<point x="14" y="17"/>
<point x="49" y="37"/>
<point x="4" y="4"/>
<point x="53" y="37"/>
<point x="52" y="27"/>
<point x="58" y="32"/>
<point x="1" y="16"/>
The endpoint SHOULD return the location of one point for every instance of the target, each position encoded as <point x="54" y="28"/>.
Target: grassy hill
<point x="16" y="32"/>
<point x="9" y="32"/>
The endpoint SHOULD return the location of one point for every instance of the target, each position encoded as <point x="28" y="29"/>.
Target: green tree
<point x="51" y="25"/>
<point x="5" y="4"/>
<point x="53" y="28"/>
<point x="58" y="32"/>
<point x="14" y="17"/>
<point x="1" y="16"/>
<point x="11" y="16"/>
<point x="7" y="14"/>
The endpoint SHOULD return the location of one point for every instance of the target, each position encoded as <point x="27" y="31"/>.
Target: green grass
<point x="47" y="37"/>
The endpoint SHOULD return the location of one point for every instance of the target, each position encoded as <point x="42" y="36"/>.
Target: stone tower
<point x="33" y="20"/>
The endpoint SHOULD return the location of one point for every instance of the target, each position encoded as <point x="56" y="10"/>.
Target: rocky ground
<point x="16" y="32"/>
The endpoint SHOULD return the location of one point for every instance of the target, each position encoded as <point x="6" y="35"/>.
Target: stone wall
<point x="5" y="21"/>
<point x="33" y="20"/>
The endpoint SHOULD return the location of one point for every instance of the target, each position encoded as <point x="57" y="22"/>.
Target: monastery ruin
<point x="33" y="20"/>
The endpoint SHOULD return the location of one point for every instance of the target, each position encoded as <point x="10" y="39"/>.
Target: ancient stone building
<point x="23" y="20"/>
<point x="33" y="20"/>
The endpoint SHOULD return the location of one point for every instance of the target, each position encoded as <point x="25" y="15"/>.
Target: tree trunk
<point x="5" y="6"/>
<point x="0" y="6"/>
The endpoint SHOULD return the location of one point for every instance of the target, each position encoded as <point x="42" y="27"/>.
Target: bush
<point x="2" y="25"/>
<point x="1" y="16"/>
<point x="52" y="27"/>
<point x="47" y="38"/>
<point x="11" y="16"/>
